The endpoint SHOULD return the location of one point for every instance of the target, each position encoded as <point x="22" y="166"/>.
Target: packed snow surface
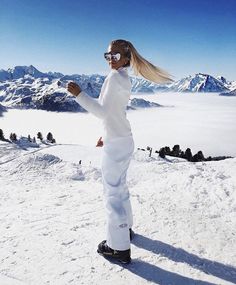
<point x="52" y="210"/>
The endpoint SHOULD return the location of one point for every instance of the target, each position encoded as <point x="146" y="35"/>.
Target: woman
<point x="118" y="144"/>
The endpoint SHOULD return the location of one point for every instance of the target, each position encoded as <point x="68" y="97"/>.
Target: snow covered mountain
<point x="92" y="82"/>
<point x="230" y="85"/>
<point x="21" y="71"/>
<point x="140" y="85"/>
<point x="199" y="83"/>
<point x="44" y="93"/>
<point x="141" y="103"/>
<point x="27" y="87"/>
<point x="229" y="93"/>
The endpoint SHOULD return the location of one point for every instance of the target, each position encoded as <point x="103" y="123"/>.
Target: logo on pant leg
<point x="123" y="225"/>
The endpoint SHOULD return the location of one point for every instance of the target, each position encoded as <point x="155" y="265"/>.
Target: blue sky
<point x="182" y="36"/>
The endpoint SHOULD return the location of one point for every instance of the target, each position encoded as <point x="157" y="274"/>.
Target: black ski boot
<point x="131" y="234"/>
<point x="122" y="256"/>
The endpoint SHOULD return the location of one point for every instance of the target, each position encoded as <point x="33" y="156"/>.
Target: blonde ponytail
<point x="143" y="67"/>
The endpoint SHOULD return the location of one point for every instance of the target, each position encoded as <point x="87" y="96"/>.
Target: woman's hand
<point x="74" y="88"/>
<point x="99" y="142"/>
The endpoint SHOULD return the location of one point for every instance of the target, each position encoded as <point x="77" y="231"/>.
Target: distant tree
<point x="162" y="152"/>
<point x="13" y="137"/>
<point x="29" y="138"/>
<point x="167" y="150"/>
<point x="150" y="150"/>
<point x="49" y="137"/>
<point x="176" y="150"/>
<point x="1" y="135"/>
<point x="39" y="136"/>
<point x="182" y="155"/>
<point x="188" y="154"/>
<point x="34" y="140"/>
<point x="200" y="156"/>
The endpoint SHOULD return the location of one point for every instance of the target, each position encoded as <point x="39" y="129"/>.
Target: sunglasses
<point x="112" y="56"/>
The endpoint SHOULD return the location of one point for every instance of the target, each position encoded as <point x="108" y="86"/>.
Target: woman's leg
<point x="116" y="194"/>
<point x="127" y="204"/>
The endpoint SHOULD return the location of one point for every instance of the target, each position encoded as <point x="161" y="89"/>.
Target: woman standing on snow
<point x="118" y="144"/>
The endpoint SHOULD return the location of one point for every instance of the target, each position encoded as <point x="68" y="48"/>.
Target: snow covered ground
<point x="51" y="207"/>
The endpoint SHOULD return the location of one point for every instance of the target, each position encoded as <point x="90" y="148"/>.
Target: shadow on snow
<point x="155" y="274"/>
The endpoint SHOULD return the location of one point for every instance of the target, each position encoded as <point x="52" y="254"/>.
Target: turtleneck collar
<point x="122" y="69"/>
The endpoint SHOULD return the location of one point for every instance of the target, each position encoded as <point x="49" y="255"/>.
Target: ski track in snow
<point x="52" y="218"/>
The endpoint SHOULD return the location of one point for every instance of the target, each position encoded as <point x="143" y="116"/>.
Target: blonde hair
<point x="141" y="66"/>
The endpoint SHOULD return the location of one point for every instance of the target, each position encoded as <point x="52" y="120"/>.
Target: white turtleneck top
<point x="111" y="105"/>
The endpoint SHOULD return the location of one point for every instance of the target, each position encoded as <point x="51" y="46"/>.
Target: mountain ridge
<point x="138" y="84"/>
<point x="27" y="87"/>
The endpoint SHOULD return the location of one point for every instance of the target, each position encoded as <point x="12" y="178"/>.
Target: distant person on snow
<point x="118" y="144"/>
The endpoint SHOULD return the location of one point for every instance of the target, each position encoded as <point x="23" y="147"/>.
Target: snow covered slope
<point x="51" y="206"/>
<point x="52" y="219"/>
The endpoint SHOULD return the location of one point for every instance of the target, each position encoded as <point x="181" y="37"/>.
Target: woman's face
<point x="121" y="62"/>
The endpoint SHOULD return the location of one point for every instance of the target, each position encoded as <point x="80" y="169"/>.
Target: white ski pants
<point x="115" y="162"/>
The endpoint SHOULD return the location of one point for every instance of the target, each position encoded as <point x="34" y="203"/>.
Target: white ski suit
<point x="118" y="147"/>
